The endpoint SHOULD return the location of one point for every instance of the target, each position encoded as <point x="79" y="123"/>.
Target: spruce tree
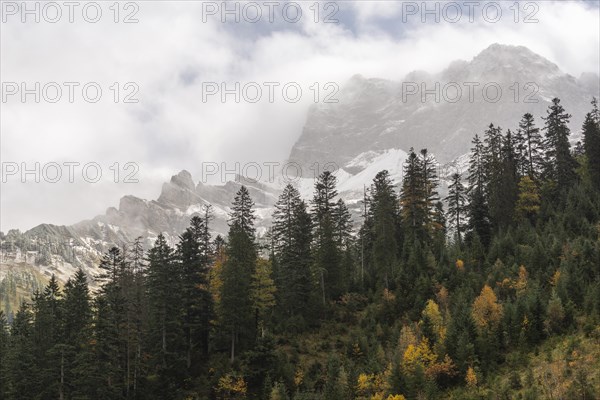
<point x="196" y="299"/>
<point x="559" y="163"/>
<point x="413" y="198"/>
<point x="385" y="227"/>
<point x="591" y="143"/>
<point x="236" y="306"/>
<point x="430" y="184"/>
<point x="292" y="235"/>
<point x="164" y="296"/>
<point x="478" y="210"/>
<point x="457" y="208"/>
<point x="326" y="249"/>
<point x="529" y="146"/>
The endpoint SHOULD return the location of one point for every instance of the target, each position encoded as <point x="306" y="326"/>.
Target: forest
<point x="490" y="292"/>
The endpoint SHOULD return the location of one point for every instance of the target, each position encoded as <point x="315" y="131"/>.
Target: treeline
<point x="422" y="299"/>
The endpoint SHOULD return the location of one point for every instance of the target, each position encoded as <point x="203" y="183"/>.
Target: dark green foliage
<point x="236" y="308"/>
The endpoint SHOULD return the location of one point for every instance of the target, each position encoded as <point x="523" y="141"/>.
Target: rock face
<point x="370" y="129"/>
<point x="376" y="114"/>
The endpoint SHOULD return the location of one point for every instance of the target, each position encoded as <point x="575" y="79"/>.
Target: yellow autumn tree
<point x="418" y="356"/>
<point x="432" y="314"/>
<point x="528" y="202"/>
<point x="521" y="282"/>
<point x="471" y="378"/>
<point x="231" y="387"/>
<point x="487" y="313"/>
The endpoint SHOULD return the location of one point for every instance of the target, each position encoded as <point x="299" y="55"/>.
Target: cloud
<point x="171" y="54"/>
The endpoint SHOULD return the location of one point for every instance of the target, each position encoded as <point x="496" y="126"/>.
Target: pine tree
<point x="4" y="347"/>
<point x="236" y="306"/>
<point x="559" y="163"/>
<point x="529" y="145"/>
<point x="478" y="210"/>
<point x="77" y="314"/>
<point x="493" y="164"/>
<point x="164" y="296"/>
<point x="413" y="198"/>
<point x="457" y="208"/>
<point x="22" y="371"/>
<point x="326" y="250"/>
<point x="196" y="299"/>
<point x="591" y="143"/>
<point x="384" y="224"/>
<point x="430" y="184"/>
<point x="509" y="178"/>
<point x="292" y="236"/>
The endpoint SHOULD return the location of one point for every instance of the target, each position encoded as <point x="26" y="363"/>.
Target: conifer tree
<point x="384" y="223"/>
<point x="292" y="235"/>
<point x="430" y="184"/>
<point x="559" y="163"/>
<point x="591" y="143"/>
<point x="236" y="306"/>
<point x="413" y="198"/>
<point x="164" y="291"/>
<point x="326" y="250"/>
<point x="457" y="208"/>
<point x="478" y="210"/>
<point x="529" y="146"/>
<point x="196" y="299"/>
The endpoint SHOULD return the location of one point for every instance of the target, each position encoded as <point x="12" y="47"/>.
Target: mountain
<point x="371" y="129"/>
<point x="376" y="114"/>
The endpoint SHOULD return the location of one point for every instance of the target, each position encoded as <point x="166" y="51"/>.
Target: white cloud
<point x="171" y="52"/>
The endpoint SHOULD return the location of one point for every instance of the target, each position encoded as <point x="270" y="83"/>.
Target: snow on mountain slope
<point x="440" y="112"/>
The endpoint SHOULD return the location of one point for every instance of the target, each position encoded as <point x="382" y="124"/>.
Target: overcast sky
<point x="177" y="48"/>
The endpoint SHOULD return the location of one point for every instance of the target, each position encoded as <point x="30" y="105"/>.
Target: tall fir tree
<point x="196" y="299"/>
<point x="529" y="147"/>
<point x="413" y="198"/>
<point x="326" y="250"/>
<point x="385" y="228"/>
<point x="238" y="269"/>
<point x="292" y="236"/>
<point x="457" y="206"/>
<point x="591" y="143"/>
<point x="559" y="163"/>
<point x="478" y="210"/>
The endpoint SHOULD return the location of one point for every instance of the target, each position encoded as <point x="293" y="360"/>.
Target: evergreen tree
<point x="4" y="347"/>
<point x="326" y="249"/>
<point x="292" y="236"/>
<point x="384" y="224"/>
<point x="478" y="210"/>
<point x="77" y="316"/>
<point x="413" y="198"/>
<point x="430" y="184"/>
<point x="529" y="146"/>
<point x="196" y="299"/>
<point x="457" y="208"/>
<point x="22" y="372"/>
<point x="236" y="306"/>
<point x="164" y="298"/>
<point x="559" y="163"/>
<point x="591" y="143"/>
